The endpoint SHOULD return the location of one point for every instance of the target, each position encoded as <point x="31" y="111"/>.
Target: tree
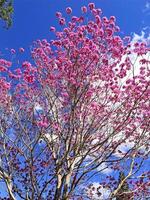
<point x="124" y="192"/>
<point x="6" y="11"/>
<point x="66" y="115"/>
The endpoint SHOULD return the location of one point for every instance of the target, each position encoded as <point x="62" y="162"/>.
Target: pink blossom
<point x="109" y="32"/>
<point x="26" y="64"/>
<point x="18" y="71"/>
<point x="42" y="124"/>
<point x="21" y="50"/>
<point x="91" y="6"/>
<point x="62" y="21"/>
<point x="80" y="19"/>
<point x="3" y="69"/>
<point x="58" y="14"/>
<point x="127" y="39"/>
<point x="13" y="51"/>
<point x="68" y="10"/>
<point x="52" y="29"/>
<point x="112" y="18"/>
<point x="84" y="9"/>
<point x="117" y="29"/>
<point x="98" y="19"/>
<point x="99" y="11"/>
<point x="74" y="19"/>
<point x="29" y="78"/>
<point x="65" y="94"/>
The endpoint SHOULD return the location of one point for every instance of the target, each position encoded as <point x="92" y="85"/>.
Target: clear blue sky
<point x="33" y="18"/>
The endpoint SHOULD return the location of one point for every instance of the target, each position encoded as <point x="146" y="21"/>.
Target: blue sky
<point x="33" y="18"/>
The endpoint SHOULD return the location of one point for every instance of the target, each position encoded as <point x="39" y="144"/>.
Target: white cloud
<point x="143" y="37"/>
<point x="95" y="141"/>
<point x="147" y="7"/>
<point x="105" y="193"/>
<point x="103" y="168"/>
<point x="48" y="138"/>
<point x="51" y="137"/>
<point x="127" y="145"/>
<point x="37" y="108"/>
<point x="123" y="148"/>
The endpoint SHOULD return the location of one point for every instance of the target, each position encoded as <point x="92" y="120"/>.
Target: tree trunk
<point x="59" y="187"/>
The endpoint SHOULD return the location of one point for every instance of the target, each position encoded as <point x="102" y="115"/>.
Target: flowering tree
<point x="65" y="117"/>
